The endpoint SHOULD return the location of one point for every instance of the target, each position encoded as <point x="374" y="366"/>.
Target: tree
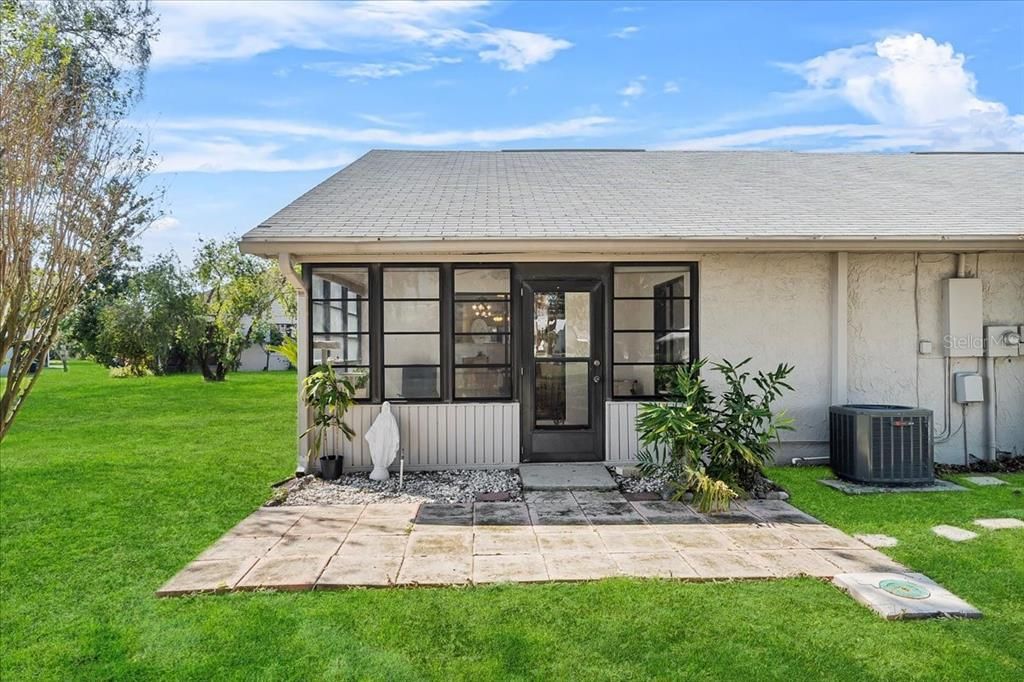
<point x="80" y="330"/>
<point x="70" y="173"/>
<point x="142" y="328"/>
<point x="237" y="292"/>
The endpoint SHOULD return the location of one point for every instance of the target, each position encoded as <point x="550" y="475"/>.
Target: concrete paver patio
<point x="554" y="535"/>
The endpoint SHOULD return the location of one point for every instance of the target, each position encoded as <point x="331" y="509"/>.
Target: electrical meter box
<point x="962" y="319"/>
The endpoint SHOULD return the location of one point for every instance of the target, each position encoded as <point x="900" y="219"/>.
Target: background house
<point x="519" y="306"/>
<point x="256" y="358"/>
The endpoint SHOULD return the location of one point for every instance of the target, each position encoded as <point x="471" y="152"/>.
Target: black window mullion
<point x="376" y="311"/>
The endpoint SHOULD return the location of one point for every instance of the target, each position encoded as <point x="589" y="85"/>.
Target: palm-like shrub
<point x="713" y="446"/>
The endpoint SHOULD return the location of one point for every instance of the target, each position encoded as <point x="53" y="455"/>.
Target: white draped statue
<point x="383" y="439"/>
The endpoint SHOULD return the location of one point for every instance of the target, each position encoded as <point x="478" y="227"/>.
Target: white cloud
<point x="915" y="91"/>
<point x="164" y="223"/>
<point x="367" y="71"/>
<point x="212" y="30"/>
<point x="231" y="144"/>
<point x="634" y="88"/>
<point x="626" y="32"/>
<point x="670" y="87"/>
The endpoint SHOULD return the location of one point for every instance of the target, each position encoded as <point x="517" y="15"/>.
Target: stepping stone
<point x="284" y="573"/>
<point x="216" y="575"/>
<point x="953" y="533"/>
<point x="653" y="565"/>
<point x="511" y="568"/>
<point x="999" y="524"/>
<point x="876" y="541"/>
<point x="566" y="477"/>
<point x="352" y="570"/>
<point x="504" y="541"/>
<point x="895" y="595"/>
<point x="984" y="480"/>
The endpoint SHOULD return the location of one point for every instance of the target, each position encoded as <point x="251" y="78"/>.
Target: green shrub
<point x="713" y="446"/>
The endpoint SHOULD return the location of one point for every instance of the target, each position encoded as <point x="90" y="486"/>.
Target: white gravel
<point x="459" y="485"/>
<point x="637" y="483"/>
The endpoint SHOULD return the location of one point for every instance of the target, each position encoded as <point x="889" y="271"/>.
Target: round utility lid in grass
<point x="904" y="588"/>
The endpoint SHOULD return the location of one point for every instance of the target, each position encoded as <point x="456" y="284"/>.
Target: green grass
<point x="108" y="487"/>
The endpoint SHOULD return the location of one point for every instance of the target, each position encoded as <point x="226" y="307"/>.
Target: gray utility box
<point x="881" y="444"/>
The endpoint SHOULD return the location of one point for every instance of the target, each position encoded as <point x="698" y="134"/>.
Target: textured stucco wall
<point x="775" y="308"/>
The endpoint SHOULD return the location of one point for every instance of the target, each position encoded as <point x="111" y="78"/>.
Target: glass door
<point x="563" y="378"/>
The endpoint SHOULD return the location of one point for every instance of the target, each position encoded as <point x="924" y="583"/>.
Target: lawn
<point x="110" y="486"/>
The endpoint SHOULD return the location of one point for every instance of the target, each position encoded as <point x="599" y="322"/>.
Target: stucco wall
<point x="776" y="308"/>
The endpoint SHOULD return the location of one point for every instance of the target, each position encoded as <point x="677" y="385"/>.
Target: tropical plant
<point x="330" y="397"/>
<point x="288" y="348"/>
<point x="713" y="446"/>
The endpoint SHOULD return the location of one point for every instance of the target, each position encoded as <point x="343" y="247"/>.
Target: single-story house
<point x="256" y="358"/>
<point x="518" y="306"/>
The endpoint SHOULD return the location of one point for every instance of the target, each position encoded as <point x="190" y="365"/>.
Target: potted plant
<point x="330" y="397"/>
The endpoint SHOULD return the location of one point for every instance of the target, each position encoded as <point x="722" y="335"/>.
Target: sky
<point x="250" y="104"/>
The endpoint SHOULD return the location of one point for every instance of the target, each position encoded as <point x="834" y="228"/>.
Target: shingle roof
<point x="413" y="195"/>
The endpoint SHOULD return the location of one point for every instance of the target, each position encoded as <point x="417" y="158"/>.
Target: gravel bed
<point x="1006" y="465"/>
<point x="762" y="488"/>
<point x="459" y="485"/>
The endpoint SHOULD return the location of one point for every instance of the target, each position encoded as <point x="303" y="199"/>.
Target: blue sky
<point x="248" y="104"/>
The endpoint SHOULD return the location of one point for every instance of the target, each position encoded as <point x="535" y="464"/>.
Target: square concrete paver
<point x="237" y="547"/>
<point x="437" y="569"/>
<point x="440" y="516"/>
<point x="859" y="560"/>
<point x="777" y="511"/>
<point x="352" y="570"/>
<point x="759" y="537"/>
<point x="788" y="563"/>
<point x="822" y="537"/>
<point x="876" y="540"/>
<point x="584" y="541"/>
<point x="429" y="543"/>
<point x="515" y="568"/>
<point x="654" y="565"/>
<point x="501" y="514"/>
<point x="284" y="573"/>
<point x="917" y="596"/>
<point x="566" y="477"/>
<point x="369" y="545"/>
<point x="685" y="538"/>
<point x="728" y="565"/>
<point x="268" y="521"/>
<point x="504" y="540"/>
<point x="312" y="545"/>
<point x="216" y="575"/>
<point x="580" y="566"/>
<point x="667" y="512"/>
<point x="633" y="541"/>
<point x="999" y="524"/>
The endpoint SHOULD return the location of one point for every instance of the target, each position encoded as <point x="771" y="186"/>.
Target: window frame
<point x="442" y="387"/>
<point x="366" y="336"/>
<point x="509" y="335"/>
<point x="692" y="329"/>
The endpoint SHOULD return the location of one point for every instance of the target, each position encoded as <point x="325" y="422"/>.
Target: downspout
<point x="991" y="450"/>
<point x="838" y="351"/>
<point x="287" y="266"/>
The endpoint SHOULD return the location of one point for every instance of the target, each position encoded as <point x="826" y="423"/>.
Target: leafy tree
<point x="237" y="292"/>
<point x="80" y="330"/>
<point x="70" y="173"/>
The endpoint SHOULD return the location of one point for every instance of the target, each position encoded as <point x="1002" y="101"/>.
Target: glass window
<point x="340" y="322"/>
<point x="482" y="333"/>
<point x="651" y="328"/>
<point x="412" y="333"/>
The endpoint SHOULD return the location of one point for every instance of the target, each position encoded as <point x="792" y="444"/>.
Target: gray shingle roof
<point x="413" y="195"/>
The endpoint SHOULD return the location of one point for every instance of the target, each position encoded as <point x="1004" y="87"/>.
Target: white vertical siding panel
<point x="621" y="435"/>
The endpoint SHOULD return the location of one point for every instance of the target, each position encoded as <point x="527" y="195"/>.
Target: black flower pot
<point x="330" y="467"/>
